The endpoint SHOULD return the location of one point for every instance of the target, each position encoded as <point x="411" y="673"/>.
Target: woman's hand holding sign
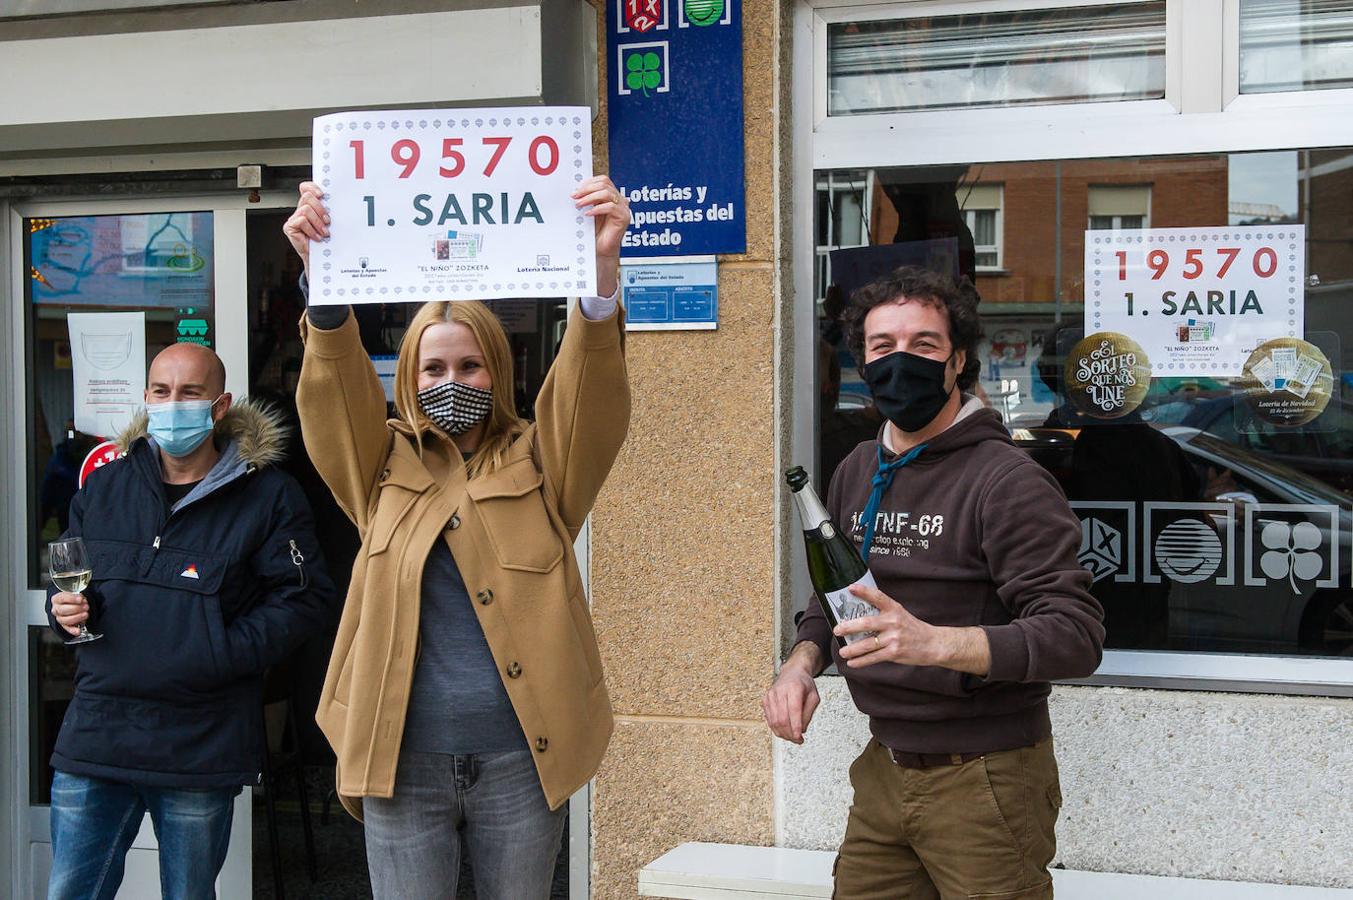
<point x="310" y="222"/>
<point x="611" y="212"/>
<point x="900" y="637"/>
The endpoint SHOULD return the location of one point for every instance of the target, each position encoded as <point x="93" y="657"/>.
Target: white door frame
<point x="11" y="723"/>
<point x="25" y="828"/>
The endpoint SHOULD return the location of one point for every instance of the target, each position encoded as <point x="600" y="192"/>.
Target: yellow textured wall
<point x="683" y="556"/>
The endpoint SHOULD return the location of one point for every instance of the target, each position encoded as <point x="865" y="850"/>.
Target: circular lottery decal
<point x="1287" y="381"/>
<point x="1188" y="551"/>
<point x="1107" y="375"/>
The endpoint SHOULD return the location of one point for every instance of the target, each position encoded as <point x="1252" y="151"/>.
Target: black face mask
<point x="908" y="389"/>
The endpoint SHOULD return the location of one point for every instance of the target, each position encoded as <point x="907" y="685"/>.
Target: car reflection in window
<point x="1248" y="555"/>
<point x="1320" y="450"/>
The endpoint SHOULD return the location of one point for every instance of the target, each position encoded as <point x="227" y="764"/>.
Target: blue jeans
<point x="94" y="823"/>
<point x="413" y="840"/>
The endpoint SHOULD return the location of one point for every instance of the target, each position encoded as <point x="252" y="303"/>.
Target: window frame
<point x="998" y="228"/>
<point x="1117" y="223"/>
<point x="1203" y="112"/>
<point x="834" y="12"/>
<point x="1231" y="65"/>
<point x="821" y="252"/>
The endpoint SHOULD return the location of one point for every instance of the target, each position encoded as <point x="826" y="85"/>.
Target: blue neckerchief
<point x="882" y="480"/>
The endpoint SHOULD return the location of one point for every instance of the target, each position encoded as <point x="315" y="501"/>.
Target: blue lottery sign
<point x="676" y="128"/>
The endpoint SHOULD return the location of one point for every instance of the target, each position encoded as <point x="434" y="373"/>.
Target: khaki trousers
<point x="983" y="829"/>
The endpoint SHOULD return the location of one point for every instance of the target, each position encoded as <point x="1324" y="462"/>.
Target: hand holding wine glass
<point x="68" y="563"/>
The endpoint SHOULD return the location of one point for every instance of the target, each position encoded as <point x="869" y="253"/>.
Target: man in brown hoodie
<point x="980" y="603"/>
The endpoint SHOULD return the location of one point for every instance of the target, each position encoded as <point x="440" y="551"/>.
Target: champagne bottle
<point x="834" y="563"/>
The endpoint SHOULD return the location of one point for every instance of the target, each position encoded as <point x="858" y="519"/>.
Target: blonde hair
<point x="503" y="425"/>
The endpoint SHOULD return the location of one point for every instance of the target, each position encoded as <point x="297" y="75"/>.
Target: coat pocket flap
<point x="511" y="481"/>
<point x="183" y="570"/>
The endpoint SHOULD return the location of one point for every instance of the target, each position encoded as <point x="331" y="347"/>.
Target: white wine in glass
<point x="68" y="563"/>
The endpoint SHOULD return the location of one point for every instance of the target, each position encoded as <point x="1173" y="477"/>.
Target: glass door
<point x="98" y="289"/>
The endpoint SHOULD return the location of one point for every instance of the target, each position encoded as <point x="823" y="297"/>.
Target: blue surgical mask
<point x="180" y="426"/>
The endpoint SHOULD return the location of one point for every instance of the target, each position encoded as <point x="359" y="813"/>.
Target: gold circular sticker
<point x="1107" y="375"/>
<point x="1287" y="381"/>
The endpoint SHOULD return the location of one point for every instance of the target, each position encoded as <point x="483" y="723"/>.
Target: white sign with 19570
<point x="1198" y="300"/>
<point x="453" y="204"/>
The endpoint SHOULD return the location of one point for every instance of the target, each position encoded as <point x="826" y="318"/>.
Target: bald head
<point x="185" y="372"/>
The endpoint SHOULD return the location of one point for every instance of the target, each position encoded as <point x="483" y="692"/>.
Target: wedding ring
<point x="878" y="645"/>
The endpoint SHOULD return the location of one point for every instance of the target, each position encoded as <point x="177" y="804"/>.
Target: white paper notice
<point x="108" y="362"/>
<point x="453" y="204"/>
<point x="1197" y="300"/>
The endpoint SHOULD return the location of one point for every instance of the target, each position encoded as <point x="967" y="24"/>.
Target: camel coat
<point x="511" y="533"/>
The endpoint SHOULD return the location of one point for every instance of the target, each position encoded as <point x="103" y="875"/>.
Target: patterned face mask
<point x="454" y="407"/>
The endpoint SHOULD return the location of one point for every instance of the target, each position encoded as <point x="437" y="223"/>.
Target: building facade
<point x="990" y="137"/>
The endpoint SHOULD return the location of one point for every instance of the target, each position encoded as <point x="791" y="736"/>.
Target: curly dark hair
<point x="958" y="299"/>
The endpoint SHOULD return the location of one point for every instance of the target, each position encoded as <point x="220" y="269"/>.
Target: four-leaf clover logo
<point x="1290" y="552"/>
<point x="644" y="71"/>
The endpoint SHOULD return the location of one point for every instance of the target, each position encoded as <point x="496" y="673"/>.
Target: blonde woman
<point x="465" y="691"/>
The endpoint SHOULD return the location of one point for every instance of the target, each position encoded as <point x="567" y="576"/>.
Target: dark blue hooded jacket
<point x="194" y="605"/>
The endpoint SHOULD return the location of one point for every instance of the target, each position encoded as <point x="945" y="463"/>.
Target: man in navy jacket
<point x="205" y="572"/>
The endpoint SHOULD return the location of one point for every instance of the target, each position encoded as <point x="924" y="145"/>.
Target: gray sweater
<point x="458" y="703"/>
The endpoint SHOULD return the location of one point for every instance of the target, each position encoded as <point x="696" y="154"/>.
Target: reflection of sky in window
<point x="1263" y="179"/>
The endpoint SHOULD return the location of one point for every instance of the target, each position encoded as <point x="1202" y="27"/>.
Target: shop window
<point x="1209" y="526"/>
<point x="1295" y="45"/>
<point x="1076" y="54"/>
<point x="158" y="267"/>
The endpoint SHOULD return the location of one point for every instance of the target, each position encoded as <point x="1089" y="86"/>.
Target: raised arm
<point x="339" y="398"/>
<point x="583" y="409"/>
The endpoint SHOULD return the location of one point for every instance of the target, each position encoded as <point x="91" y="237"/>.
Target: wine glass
<point x="68" y="562"/>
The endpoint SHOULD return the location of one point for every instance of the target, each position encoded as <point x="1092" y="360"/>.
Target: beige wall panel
<point x="664" y="783"/>
<point x="683" y="576"/>
<point x="683" y="545"/>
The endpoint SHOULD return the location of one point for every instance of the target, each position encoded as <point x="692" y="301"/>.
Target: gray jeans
<point x="413" y="840"/>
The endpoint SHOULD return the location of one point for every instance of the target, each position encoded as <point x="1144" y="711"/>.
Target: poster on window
<point x="154" y="260"/>
<point x="453" y="204"/>
<point x="1198" y="300"/>
<point x="108" y="362"/>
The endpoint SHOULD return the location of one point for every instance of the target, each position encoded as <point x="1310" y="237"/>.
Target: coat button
<point x="542" y="744"/>
<point x="454" y="523"/>
<point x="385" y="474"/>
<point x="514" y="670"/>
<point x="485" y="597"/>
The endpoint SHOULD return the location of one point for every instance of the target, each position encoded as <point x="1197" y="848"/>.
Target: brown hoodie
<point x="971" y="532"/>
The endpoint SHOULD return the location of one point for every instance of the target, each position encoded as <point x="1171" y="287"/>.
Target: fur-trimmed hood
<point x="258" y="431"/>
